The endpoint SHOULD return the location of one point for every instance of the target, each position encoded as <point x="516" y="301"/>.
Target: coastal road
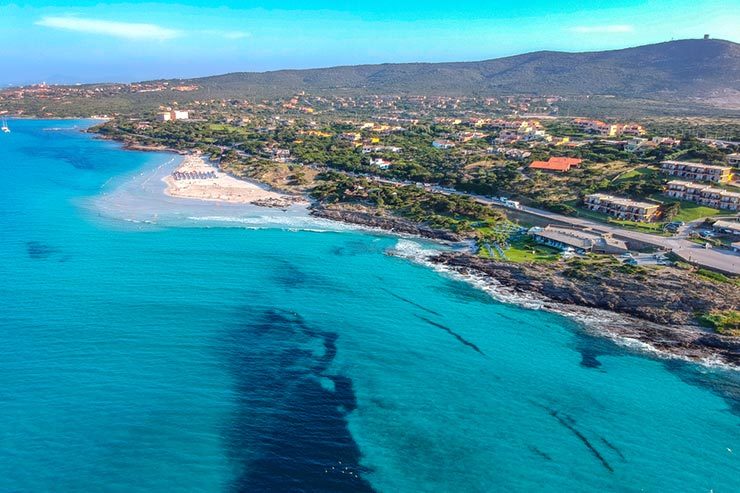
<point x="719" y="260"/>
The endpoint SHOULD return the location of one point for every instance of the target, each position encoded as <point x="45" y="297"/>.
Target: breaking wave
<point x="595" y="321"/>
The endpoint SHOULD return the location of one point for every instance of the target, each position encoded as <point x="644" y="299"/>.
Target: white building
<point x="173" y="115"/>
<point x="580" y="240"/>
<point x="443" y="144"/>
<point x="380" y="163"/>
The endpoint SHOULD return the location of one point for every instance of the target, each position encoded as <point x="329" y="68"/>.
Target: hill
<point x="693" y="77"/>
<point x="704" y="69"/>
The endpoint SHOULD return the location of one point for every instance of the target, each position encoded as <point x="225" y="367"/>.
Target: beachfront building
<point x="580" y="240"/>
<point x="704" y="195"/>
<point x="728" y="227"/>
<point x="560" y="164"/>
<point x="622" y="208"/>
<point x="173" y="115"/>
<point x="697" y="171"/>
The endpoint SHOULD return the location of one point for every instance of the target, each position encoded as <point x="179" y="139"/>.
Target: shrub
<point x="725" y="322"/>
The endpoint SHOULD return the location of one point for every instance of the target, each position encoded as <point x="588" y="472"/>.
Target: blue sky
<point x="86" y="40"/>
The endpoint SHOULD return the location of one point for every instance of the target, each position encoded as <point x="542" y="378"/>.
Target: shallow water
<point x="154" y="344"/>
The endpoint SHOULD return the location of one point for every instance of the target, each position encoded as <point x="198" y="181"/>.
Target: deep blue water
<point x="189" y="356"/>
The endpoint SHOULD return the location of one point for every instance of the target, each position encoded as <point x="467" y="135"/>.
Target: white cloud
<point x="607" y="29"/>
<point x="127" y="30"/>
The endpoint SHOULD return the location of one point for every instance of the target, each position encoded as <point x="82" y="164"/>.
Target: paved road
<point x="720" y="260"/>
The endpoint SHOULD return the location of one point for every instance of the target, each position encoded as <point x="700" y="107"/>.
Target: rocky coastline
<point x="391" y="224"/>
<point x="658" y="310"/>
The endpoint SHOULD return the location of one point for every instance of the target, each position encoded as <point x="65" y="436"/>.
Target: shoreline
<point x="212" y="185"/>
<point x="685" y="342"/>
<point x="394" y="226"/>
<point x="197" y="178"/>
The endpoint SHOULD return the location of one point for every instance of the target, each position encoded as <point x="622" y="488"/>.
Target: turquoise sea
<point x="155" y="344"/>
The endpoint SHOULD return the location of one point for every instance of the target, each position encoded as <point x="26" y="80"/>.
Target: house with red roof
<point x="561" y="164"/>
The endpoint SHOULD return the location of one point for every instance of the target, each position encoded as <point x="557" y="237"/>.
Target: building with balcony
<point x="697" y="171"/>
<point x="622" y="208"/>
<point x="704" y="195"/>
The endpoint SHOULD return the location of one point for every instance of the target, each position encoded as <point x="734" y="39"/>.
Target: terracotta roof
<point x="556" y="163"/>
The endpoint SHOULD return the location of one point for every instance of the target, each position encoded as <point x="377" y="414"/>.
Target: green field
<point x="527" y="250"/>
<point x="634" y="173"/>
<point x="689" y="210"/>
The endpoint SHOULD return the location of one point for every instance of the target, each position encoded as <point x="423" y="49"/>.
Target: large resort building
<point x="621" y="208"/>
<point x="579" y="240"/>
<point x="697" y="171"/>
<point x="704" y="195"/>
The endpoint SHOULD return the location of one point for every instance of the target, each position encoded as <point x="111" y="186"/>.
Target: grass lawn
<point x="526" y="250"/>
<point x="654" y="228"/>
<point x="635" y="172"/>
<point x="694" y="212"/>
<point x="690" y="211"/>
<point x="483" y="253"/>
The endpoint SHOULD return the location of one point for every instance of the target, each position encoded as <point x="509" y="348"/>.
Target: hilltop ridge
<point x="696" y="68"/>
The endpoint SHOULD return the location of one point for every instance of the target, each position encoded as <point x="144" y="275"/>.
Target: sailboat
<point x="5" y="128"/>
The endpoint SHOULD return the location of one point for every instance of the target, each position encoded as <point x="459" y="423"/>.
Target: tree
<point x="671" y="210"/>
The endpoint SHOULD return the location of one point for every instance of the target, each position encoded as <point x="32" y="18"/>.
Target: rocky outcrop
<point x="659" y="306"/>
<point x="665" y="296"/>
<point x="391" y="224"/>
<point x="282" y="202"/>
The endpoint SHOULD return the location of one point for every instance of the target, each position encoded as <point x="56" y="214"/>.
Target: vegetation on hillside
<point x="724" y="322"/>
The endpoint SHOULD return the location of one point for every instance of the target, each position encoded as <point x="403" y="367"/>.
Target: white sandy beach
<point x="196" y="178"/>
